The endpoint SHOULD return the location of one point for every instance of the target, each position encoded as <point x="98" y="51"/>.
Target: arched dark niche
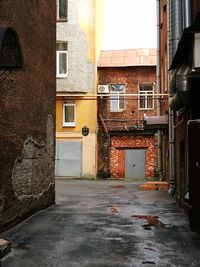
<point x="10" y="50"/>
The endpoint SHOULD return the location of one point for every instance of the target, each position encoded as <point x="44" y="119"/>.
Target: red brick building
<point x="127" y="84"/>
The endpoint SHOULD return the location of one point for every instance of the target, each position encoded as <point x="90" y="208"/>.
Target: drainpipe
<point x="175" y="32"/>
<point x="172" y="157"/>
<point x="187" y="13"/>
<point x="158" y="80"/>
<point x="175" y="25"/>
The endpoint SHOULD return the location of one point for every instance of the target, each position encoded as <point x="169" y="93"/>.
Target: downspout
<point x="175" y="32"/>
<point x="182" y="83"/>
<point x="175" y="26"/>
<point x="103" y="124"/>
<point x="158" y="80"/>
<point x="172" y="155"/>
<point x="187" y="13"/>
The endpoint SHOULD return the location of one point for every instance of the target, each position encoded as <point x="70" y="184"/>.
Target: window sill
<point x="61" y="20"/>
<point x="68" y="125"/>
<point x="146" y="108"/>
<point x="61" y="77"/>
<point x="117" y="111"/>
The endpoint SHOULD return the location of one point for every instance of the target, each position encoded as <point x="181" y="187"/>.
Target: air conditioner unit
<point x="103" y="89"/>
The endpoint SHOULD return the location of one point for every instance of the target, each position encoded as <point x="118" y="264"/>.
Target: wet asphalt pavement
<point x="104" y="223"/>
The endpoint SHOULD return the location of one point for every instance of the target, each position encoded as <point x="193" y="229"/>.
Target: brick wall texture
<point x="131" y="77"/>
<point x="117" y="152"/>
<point x="110" y="147"/>
<point x="27" y="117"/>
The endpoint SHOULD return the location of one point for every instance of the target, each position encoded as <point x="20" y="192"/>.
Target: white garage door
<point x="68" y="158"/>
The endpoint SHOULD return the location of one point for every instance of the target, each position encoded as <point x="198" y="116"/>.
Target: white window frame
<point x="146" y="94"/>
<point x="116" y="97"/>
<point x="57" y="11"/>
<point x="69" y="124"/>
<point x="61" y="75"/>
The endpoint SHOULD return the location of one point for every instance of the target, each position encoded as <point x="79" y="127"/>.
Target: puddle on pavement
<point x="152" y="221"/>
<point x="114" y="209"/>
<point x="118" y="186"/>
<point x="19" y="246"/>
<point x="147" y="248"/>
<point x="148" y="262"/>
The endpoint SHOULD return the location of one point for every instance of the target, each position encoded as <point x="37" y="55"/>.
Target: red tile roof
<point x="128" y="57"/>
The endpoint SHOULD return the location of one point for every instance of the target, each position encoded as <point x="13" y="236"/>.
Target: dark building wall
<point x="181" y="129"/>
<point x="181" y="159"/>
<point x="27" y="116"/>
<point x="103" y="160"/>
<point x="195" y="8"/>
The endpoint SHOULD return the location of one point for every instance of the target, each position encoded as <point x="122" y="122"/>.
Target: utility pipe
<point x="158" y="80"/>
<point x="187" y="13"/>
<point x="172" y="155"/>
<point x="103" y="123"/>
<point x="175" y="32"/>
<point x="101" y="95"/>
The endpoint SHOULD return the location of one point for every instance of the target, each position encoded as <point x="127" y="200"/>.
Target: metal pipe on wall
<point x="175" y="32"/>
<point x="172" y="155"/>
<point x="187" y="13"/>
<point x="175" y="25"/>
<point x="158" y="79"/>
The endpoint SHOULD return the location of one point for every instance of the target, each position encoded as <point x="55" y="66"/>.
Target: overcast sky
<point x="129" y="24"/>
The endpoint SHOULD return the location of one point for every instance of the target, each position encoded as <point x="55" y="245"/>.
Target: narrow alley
<point x="104" y="223"/>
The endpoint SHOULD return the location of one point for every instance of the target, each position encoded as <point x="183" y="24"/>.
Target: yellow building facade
<point x="79" y="31"/>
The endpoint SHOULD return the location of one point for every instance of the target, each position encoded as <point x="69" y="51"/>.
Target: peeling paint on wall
<point x="86" y="17"/>
<point x="29" y="177"/>
<point x="79" y="33"/>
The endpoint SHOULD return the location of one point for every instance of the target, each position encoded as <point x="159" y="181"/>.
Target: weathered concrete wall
<point x="27" y="117"/>
<point x="79" y="33"/>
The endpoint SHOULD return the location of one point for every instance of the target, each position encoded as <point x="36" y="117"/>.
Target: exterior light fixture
<point x="85" y="131"/>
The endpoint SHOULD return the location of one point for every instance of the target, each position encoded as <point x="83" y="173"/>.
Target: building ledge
<point x="155" y="122"/>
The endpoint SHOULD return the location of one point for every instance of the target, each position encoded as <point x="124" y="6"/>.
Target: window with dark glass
<point x="146" y="96"/>
<point x="62" y="9"/>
